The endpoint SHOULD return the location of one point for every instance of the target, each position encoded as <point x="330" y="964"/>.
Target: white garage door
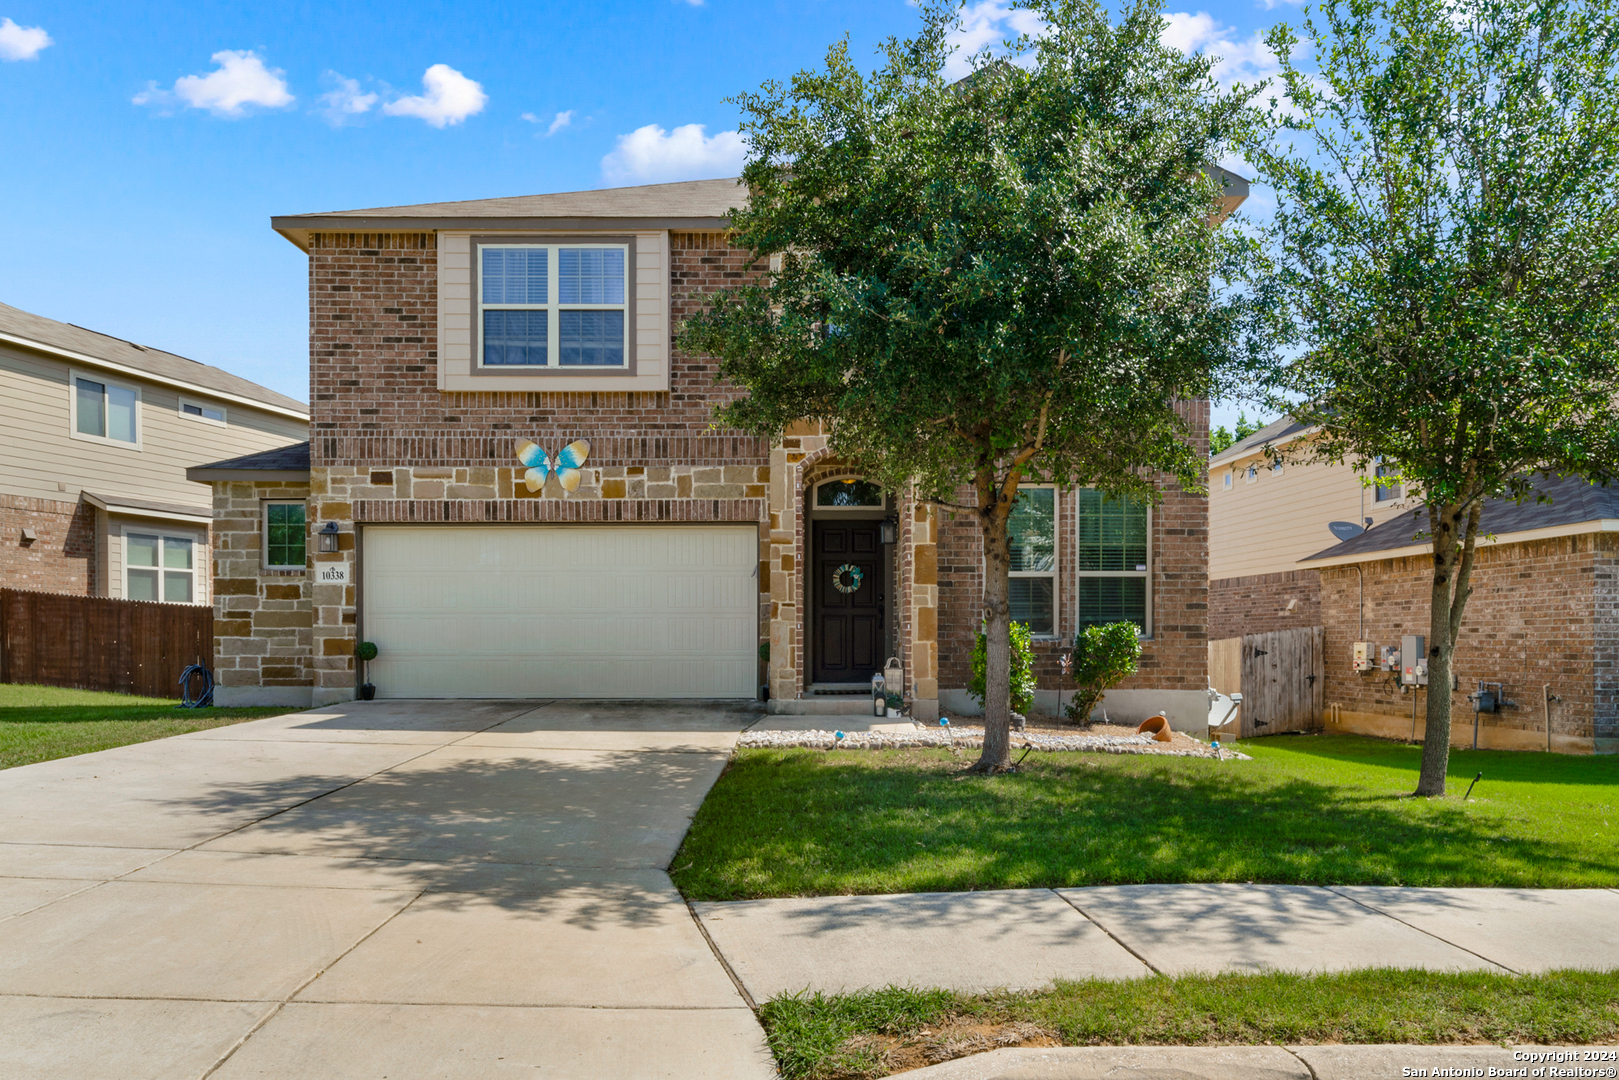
<point x="562" y="610"/>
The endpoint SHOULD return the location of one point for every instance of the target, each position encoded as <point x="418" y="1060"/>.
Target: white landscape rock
<point x="971" y="738"/>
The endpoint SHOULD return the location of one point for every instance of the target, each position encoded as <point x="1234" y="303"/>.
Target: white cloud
<point x="562" y="120"/>
<point x="21" y="42"/>
<point x="345" y="100"/>
<point x="1246" y="60"/>
<point x="530" y="117"/>
<point x="650" y="155"/>
<point x="451" y="97"/>
<point x="240" y="80"/>
<point x="985" y="25"/>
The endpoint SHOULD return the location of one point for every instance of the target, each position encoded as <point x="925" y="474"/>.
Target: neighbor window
<point x="158" y="567"/>
<point x="201" y="410"/>
<point x="1228" y="481"/>
<point x="557" y="306"/>
<point x="848" y="494"/>
<point x="1251" y="474"/>
<point x="105" y="410"/>
<point x="1111" y="561"/>
<point x="1032" y="532"/>
<point x="1391" y="490"/>
<point x="284" y="536"/>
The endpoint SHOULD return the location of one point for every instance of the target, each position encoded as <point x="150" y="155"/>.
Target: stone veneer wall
<point x="262" y="618"/>
<point x="1260" y="603"/>
<point x="61" y="559"/>
<point x="1541" y="612"/>
<point x="388" y="446"/>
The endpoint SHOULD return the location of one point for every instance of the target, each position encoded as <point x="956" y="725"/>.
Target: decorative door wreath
<point x="854" y="573"/>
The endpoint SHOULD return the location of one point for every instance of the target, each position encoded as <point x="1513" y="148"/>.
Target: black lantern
<point x="328" y="536"/>
<point x="890" y="530"/>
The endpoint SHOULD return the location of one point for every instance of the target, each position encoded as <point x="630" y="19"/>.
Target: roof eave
<point x="149" y="376"/>
<point x="1233" y="453"/>
<point x="202" y="474"/>
<point x="296" y="228"/>
<point x="1323" y="560"/>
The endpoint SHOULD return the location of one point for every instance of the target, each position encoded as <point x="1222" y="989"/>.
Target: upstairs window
<point x="1112" y="557"/>
<point x="106" y="411"/>
<point x="1032" y="531"/>
<point x="554" y="306"/>
<point x="1393" y="489"/>
<point x="202" y="410"/>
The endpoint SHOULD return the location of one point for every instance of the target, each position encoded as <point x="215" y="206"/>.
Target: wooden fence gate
<point x="1280" y="675"/>
<point x="94" y="643"/>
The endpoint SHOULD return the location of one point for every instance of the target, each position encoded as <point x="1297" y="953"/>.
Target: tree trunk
<point x="1442" y="522"/>
<point x="997" y="754"/>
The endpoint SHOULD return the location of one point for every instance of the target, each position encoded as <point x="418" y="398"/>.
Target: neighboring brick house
<point x="1265" y="517"/>
<point x="680" y="560"/>
<point x="97" y="435"/>
<point x="1543" y="621"/>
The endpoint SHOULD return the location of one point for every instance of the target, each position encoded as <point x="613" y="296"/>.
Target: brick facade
<point x="61" y="559"/>
<point x="387" y="445"/>
<point x="1261" y="603"/>
<point x="1542" y="612"/>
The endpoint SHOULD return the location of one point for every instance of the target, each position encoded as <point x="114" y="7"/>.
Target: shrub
<point x="1022" y="669"/>
<point x="1103" y="657"/>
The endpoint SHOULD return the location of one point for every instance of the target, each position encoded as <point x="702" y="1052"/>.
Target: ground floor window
<point x="159" y="567"/>
<point x="284" y="530"/>
<point x="1112" y="557"/>
<point x="1032" y="530"/>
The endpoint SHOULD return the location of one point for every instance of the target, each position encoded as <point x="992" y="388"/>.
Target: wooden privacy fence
<point x="1280" y="675"/>
<point x="91" y="643"/>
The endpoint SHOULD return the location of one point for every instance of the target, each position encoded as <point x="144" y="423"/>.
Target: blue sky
<point x="150" y="143"/>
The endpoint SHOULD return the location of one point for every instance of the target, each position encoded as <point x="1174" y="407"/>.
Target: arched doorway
<point x="850" y="582"/>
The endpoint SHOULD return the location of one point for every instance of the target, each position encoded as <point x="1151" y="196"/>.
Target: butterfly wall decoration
<point x="565" y="465"/>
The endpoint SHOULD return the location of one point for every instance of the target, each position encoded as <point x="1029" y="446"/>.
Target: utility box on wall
<point x="1413" y="661"/>
<point x="1365" y="654"/>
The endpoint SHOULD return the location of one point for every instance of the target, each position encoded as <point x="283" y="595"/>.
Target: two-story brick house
<point x="523" y="495"/>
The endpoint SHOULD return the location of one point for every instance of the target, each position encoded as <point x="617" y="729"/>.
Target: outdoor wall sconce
<point x="890" y="530"/>
<point x="328" y="536"/>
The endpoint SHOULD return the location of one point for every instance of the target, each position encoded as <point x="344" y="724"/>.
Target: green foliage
<point x="1103" y="657"/>
<point x="893" y="700"/>
<point x="366" y="650"/>
<point x="1447" y="237"/>
<point x="822" y="1036"/>
<point x="1022" y="674"/>
<point x="1311" y="810"/>
<point x="1221" y="440"/>
<point x="1008" y="276"/>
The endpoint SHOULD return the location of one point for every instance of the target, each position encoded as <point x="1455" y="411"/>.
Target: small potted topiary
<point x="365" y="652"/>
<point x="895" y="704"/>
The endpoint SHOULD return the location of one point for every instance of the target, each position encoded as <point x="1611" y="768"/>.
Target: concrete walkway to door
<point x="402" y="889"/>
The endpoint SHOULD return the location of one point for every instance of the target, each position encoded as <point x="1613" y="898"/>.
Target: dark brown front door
<point x="848" y="601"/>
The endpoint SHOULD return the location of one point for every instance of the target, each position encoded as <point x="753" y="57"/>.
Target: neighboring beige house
<point x="98" y="432"/>
<point x="1265" y="517"/>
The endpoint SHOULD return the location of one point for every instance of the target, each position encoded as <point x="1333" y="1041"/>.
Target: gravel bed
<point x="972" y="738"/>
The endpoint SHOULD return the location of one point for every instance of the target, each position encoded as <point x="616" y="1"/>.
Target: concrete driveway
<point x="384" y="889"/>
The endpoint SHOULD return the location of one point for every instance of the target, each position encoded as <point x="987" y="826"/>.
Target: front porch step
<point x="820" y="706"/>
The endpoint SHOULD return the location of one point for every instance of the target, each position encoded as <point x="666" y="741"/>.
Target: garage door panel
<point x="549" y="611"/>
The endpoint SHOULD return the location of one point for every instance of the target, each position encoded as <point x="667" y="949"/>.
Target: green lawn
<point x="851" y="1036"/>
<point x="1311" y="809"/>
<point x="38" y="723"/>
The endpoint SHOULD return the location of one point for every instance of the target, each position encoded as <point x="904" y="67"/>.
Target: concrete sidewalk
<point x="405" y="889"/>
<point x="1025" y="938"/>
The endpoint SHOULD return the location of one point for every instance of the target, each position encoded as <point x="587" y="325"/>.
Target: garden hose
<point x="206" y="697"/>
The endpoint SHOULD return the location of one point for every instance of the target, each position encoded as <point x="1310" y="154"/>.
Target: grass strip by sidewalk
<point x="38" y="723"/>
<point x="871" y="1034"/>
<point x="1310" y="810"/>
